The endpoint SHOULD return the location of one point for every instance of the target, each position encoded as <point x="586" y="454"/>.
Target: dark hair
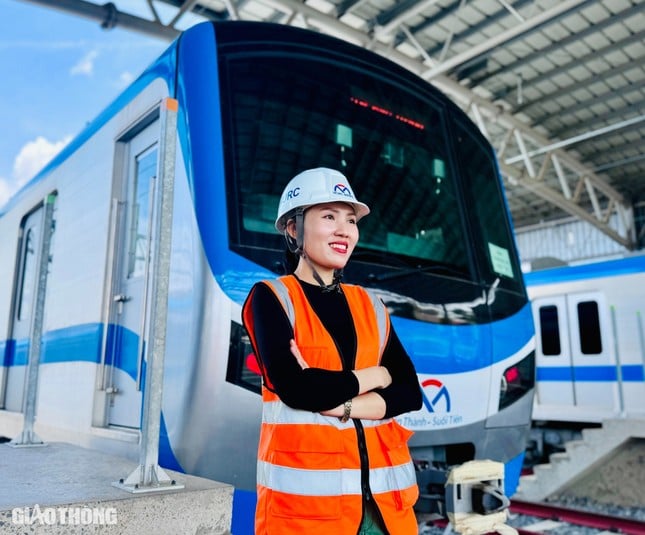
<point x="290" y="261"/>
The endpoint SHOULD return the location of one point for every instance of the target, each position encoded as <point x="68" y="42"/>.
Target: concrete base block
<point x="63" y="489"/>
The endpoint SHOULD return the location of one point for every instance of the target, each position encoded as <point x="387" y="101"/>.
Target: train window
<point x="28" y="279"/>
<point x="145" y="171"/>
<point x="589" y="328"/>
<point x="494" y="244"/>
<point x="242" y="369"/>
<point x="549" y="330"/>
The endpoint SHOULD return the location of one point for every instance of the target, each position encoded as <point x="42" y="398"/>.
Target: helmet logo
<point x="292" y="193"/>
<point x="342" y="189"/>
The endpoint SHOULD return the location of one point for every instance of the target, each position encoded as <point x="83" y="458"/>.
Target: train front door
<point x="131" y="300"/>
<point x="576" y="364"/>
<point x="593" y="353"/>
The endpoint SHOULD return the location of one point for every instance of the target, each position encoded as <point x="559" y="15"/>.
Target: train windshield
<point x="389" y="143"/>
<point x="424" y="172"/>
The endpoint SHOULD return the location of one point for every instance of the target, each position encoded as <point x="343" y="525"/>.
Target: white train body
<point x="590" y="344"/>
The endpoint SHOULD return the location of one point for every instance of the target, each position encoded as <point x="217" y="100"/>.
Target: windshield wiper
<point x="396" y="273"/>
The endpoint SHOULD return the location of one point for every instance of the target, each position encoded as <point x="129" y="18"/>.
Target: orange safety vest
<point x="309" y="465"/>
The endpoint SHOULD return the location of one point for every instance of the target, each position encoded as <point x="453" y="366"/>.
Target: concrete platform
<point x="60" y="489"/>
<point x="597" y="447"/>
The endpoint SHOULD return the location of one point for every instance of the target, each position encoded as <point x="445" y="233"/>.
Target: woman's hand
<point x="373" y="378"/>
<point x="367" y="405"/>
<point x="369" y="379"/>
<point x="296" y="353"/>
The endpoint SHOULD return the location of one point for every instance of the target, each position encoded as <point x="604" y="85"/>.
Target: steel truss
<point x="529" y="160"/>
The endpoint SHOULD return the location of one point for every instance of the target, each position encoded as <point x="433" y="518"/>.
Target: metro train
<point x="257" y="103"/>
<point x="590" y="346"/>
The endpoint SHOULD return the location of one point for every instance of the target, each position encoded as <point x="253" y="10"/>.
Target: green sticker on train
<point x="501" y="260"/>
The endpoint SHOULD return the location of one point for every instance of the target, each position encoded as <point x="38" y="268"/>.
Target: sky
<point x="57" y="72"/>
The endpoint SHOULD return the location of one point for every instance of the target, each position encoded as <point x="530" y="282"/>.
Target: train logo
<point x="436" y="412"/>
<point x="435" y="396"/>
<point x="343" y="190"/>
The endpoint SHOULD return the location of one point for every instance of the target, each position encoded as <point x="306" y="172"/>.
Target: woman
<point x="331" y="458"/>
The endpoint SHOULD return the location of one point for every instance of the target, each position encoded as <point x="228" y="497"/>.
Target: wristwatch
<point x="347" y="411"/>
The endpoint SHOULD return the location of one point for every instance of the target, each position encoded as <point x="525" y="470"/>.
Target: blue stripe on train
<point x="609" y="268"/>
<point x="444" y="349"/>
<point x="629" y="373"/>
<point x="79" y="343"/>
<point x="434" y="349"/>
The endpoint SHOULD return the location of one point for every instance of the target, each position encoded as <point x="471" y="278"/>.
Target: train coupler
<point x="475" y="500"/>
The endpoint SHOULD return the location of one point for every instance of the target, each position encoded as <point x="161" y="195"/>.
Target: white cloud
<point x="126" y="78"/>
<point x="33" y="156"/>
<point x="85" y="66"/>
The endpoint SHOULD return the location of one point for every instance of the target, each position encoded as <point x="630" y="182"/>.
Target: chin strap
<point x="338" y="277"/>
<point x="335" y="284"/>
<point x="296" y="245"/>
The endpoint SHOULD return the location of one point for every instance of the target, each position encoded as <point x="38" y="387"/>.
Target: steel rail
<point x="579" y="517"/>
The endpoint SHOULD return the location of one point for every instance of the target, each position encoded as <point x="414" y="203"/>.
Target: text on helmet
<point x="292" y="193"/>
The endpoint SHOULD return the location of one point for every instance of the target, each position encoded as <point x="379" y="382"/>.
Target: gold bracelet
<point x="347" y="411"/>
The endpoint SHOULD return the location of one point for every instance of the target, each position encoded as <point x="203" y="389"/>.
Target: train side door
<point x="594" y="361"/>
<point x="23" y="309"/>
<point x="554" y="360"/>
<point x="130" y="307"/>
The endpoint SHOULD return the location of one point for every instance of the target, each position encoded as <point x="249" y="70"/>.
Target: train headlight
<point x="242" y="369"/>
<point x="517" y="380"/>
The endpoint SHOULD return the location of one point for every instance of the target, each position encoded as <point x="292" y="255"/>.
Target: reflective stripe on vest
<point x="333" y="482"/>
<point x="277" y="412"/>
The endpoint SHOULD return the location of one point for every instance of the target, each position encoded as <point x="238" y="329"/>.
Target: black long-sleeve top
<point x="316" y="389"/>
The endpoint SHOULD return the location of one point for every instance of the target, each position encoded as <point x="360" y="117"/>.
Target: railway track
<point x="530" y="518"/>
<point x="561" y="516"/>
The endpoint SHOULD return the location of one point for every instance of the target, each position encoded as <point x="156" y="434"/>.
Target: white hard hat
<point x="317" y="186"/>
